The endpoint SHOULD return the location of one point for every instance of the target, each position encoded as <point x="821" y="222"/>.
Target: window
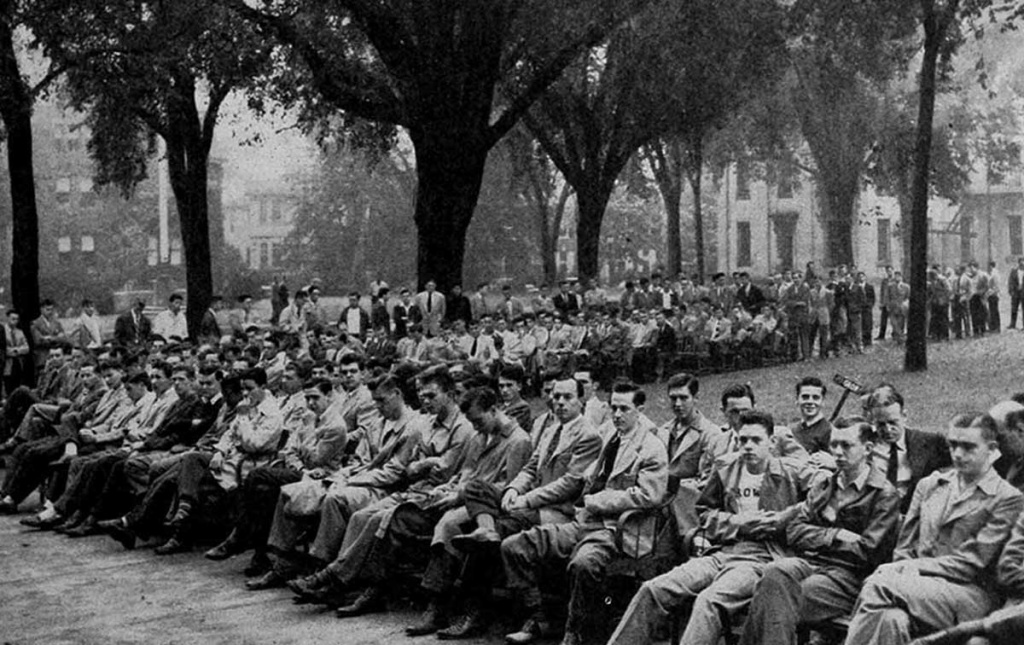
<point x="742" y="180"/>
<point x="743" y="244"/>
<point x="85" y="184"/>
<point x="1016" y="236"/>
<point x="264" y="255"/>
<point x="64" y="244"/>
<point x="175" y="251"/>
<point x="152" y="251"/>
<point x="88" y="244"/>
<point x="884" y="241"/>
<point x="64" y="185"/>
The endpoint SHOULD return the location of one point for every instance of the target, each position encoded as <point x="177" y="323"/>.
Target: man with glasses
<point x="353" y="402"/>
<point x="845" y="528"/>
<point x="905" y="455"/>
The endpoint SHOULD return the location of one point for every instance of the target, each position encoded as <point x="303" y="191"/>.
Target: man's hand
<point x="444" y="502"/>
<point x="316" y="473"/>
<point x="508" y="500"/>
<point x="418" y="468"/>
<point x="822" y="459"/>
<point x="847" y="537"/>
<point x="87" y="435"/>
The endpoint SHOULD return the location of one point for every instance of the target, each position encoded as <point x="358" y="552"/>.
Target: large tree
<point x="843" y="55"/>
<point x="173" y="92"/>
<point x="457" y="75"/>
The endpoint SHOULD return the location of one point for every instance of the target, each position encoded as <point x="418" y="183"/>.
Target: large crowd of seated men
<point x="341" y="474"/>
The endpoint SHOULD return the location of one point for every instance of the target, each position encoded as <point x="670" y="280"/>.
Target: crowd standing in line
<point x="347" y="454"/>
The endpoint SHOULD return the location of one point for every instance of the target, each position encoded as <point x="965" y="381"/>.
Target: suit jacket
<point x="873" y="514"/>
<point x="552" y="484"/>
<point x="869" y="297"/>
<point x="638" y="479"/>
<point x="434" y="314"/>
<point x="684" y="460"/>
<point x="820" y="303"/>
<point x="566" y="303"/>
<point x="750" y="298"/>
<point x="1014" y="282"/>
<point x="927" y="452"/>
<point x="209" y="329"/>
<point x="458" y="308"/>
<point x="959" y="539"/>
<point x="316" y="443"/>
<point x="385" y="451"/>
<point x="128" y="333"/>
<point x="1010" y="570"/>
<point x="784" y="486"/>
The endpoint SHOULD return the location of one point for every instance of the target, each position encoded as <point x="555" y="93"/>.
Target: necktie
<point x="430" y="298"/>
<point x="892" y="469"/>
<point x="555" y="438"/>
<point x="674" y="440"/>
<point x="611" y="452"/>
<point x="472" y="350"/>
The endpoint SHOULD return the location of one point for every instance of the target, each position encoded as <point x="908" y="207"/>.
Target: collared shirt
<point x="847" y="491"/>
<point x="169" y="324"/>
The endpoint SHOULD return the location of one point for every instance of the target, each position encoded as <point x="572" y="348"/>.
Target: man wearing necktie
<point x="905" y="454"/>
<point x="631" y="473"/>
<point x="432" y="305"/>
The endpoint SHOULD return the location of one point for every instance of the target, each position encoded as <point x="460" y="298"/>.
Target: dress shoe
<point x="468" y="625"/>
<point x="431" y="621"/>
<point x="8" y="508"/>
<point x="368" y="602"/>
<point x="269" y="580"/>
<point x="479" y="537"/>
<point x="120" y="531"/>
<point x="181" y="516"/>
<point x="76" y="518"/>
<point x="43" y="523"/>
<point x="224" y="550"/>
<point x="171" y="546"/>
<point x="86" y="528"/>
<point x="258" y="565"/>
<point x="532" y="630"/>
<point x="311" y="584"/>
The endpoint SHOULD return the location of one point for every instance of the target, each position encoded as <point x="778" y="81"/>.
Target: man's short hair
<point x="86" y="302"/>
<point x="231" y="384"/>
<point x="683" y="379"/>
<point x="512" y="372"/>
<point x="483" y="397"/>
<point x="322" y="384"/>
<point x="865" y="431"/>
<point x="882" y="396"/>
<point x="416" y="328"/>
<point x="984" y="422"/>
<point x="255" y="374"/>
<point x="190" y="372"/>
<point x="439" y="375"/>
<point x="811" y="381"/>
<point x="738" y="391"/>
<point x="141" y="377"/>
<point x="629" y="387"/>
<point x="385" y="384"/>
<point x="46" y="302"/>
<point x="758" y="418"/>
<point x="351" y="357"/>
<point x="164" y="368"/>
<point x="175" y="297"/>
<point x="243" y="297"/>
<point x="301" y="293"/>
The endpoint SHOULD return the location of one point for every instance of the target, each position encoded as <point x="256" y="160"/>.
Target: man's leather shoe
<point x="533" y="629"/>
<point x="171" y="546"/>
<point x="8" y="508"/>
<point x="308" y="585"/>
<point x="258" y="565"/>
<point x="86" y="528"/>
<point x="224" y="550"/>
<point x="269" y="580"/>
<point x="76" y="518"/>
<point x="468" y="625"/>
<point x="37" y="522"/>
<point x="370" y="601"/>
<point x="120" y="531"/>
<point x="431" y="621"/>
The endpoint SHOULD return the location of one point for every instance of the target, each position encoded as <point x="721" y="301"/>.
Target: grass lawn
<point x="962" y="375"/>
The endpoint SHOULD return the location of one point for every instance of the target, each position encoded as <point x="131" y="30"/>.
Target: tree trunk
<point x="549" y="223"/>
<point x="16" y="110"/>
<point x="591" y="203"/>
<point x="694" y="170"/>
<point x="664" y="157"/>
<point x="187" y="165"/>
<point x="840" y="198"/>
<point x="449" y="172"/>
<point x="916" y="357"/>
